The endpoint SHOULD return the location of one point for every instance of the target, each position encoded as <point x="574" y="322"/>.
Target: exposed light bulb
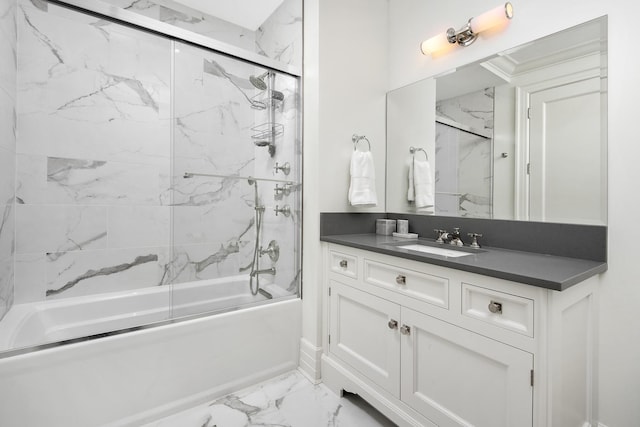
<point x="434" y="44"/>
<point x="494" y="17"/>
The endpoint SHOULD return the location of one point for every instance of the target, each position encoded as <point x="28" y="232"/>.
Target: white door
<point x="363" y="334"/>
<point x="456" y="377"/>
<point x="567" y="162"/>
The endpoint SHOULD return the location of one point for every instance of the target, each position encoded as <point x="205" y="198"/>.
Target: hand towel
<point x="420" y="184"/>
<point x="362" y="190"/>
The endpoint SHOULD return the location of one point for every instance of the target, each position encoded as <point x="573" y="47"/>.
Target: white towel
<point x="362" y="190"/>
<point x="420" y="183"/>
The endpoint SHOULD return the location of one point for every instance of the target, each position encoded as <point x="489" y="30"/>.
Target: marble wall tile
<point x="91" y="91"/>
<point x="8" y="71"/>
<point x="211" y="261"/>
<point x="30" y="277"/>
<point x="6" y="286"/>
<point x="138" y="226"/>
<point x="110" y="270"/>
<point x="474" y="109"/>
<point x="7" y="121"/>
<point x="7" y="244"/>
<point x="60" y="228"/>
<point x="280" y="37"/>
<point x="7" y="175"/>
<point x="8" y="47"/>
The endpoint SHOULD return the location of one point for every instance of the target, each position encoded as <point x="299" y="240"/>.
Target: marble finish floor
<point x="289" y="400"/>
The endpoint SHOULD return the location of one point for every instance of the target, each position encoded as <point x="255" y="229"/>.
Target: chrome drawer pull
<point x="393" y="324"/>
<point x="344" y="263"/>
<point x="495" y="307"/>
<point x="401" y="280"/>
<point x="405" y="330"/>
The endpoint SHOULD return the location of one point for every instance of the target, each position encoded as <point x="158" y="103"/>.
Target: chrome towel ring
<point x="357" y="138"/>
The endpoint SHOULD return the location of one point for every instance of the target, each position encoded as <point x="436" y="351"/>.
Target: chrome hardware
<point x="393" y="324"/>
<point x="273" y="250"/>
<point x="474" y="243"/>
<point x="405" y="330"/>
<point x="454" y="238"/>
<point x="284" y="190"/>
<point x="504" y="155"/>
<point x="357" y="138"/>
<point x="271" y="271"/>
<point x="286" y="168"/>
<point x="344" y="263"/>
<point x="441" y="234"/>
<point x="401" y="279"/>
<point x="495" y="307"/>
<point x="285" y="210"/>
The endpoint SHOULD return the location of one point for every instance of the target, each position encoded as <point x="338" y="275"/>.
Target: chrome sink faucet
<point x="454" y="238"/>
<point x="451" y="238"/>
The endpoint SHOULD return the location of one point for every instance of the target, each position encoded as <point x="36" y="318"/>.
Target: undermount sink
<point x="452" y="253"/>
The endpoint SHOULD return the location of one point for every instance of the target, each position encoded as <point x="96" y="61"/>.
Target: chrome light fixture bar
<point x="469" y="33"/>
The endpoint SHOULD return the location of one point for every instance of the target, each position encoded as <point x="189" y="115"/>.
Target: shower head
<point x="258" y="82"/>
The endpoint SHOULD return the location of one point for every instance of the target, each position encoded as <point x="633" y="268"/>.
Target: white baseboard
<point x="310" y="361"/>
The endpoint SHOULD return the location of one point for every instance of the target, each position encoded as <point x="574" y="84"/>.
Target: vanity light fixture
<point x="468" y="34"/>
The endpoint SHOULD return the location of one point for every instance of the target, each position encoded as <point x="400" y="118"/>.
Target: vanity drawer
<point x="344" y="264"/>
<point x="504" y="310"/>
<point x="431" y="289"/>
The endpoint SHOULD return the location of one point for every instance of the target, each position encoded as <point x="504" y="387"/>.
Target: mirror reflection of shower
<point x="265" y="134"/>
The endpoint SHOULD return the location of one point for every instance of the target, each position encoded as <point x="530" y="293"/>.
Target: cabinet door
<point x="360" y="334"/>
<point x="456" y="377"/>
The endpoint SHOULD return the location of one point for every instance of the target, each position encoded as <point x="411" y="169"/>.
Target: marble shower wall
<point x="103" y="204"/>
<point x="464" y="176"/>
<point x="279" y="37"/>
<point x="93" y="155"/>
<point x="7" y="150"/>
<point x="215" y="218"/>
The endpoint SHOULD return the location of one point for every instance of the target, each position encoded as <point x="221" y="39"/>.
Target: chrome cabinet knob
<point x="405" y="330"/>
<point x="495" y="307"/>
<point x="344" y="263"/>
<point x="393" y="324"/>
<point x="401" y="279"/>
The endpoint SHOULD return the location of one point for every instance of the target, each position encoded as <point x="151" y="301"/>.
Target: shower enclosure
<point x="149" y="179"/>
<point x="464" y="155"/>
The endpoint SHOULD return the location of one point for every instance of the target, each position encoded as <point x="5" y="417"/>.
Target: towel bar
<point x="413" y="151"/>
<point x="357" y="138"/>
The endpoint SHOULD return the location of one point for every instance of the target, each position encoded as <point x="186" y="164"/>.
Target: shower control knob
<point x="284" y="190"/>
<point x="286" y="168"/>
<point x="285" y="210"/>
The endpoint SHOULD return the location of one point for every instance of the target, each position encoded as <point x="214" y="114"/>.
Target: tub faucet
<point x="271" y="270"/>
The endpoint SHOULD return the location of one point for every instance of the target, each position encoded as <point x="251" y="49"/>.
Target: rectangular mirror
<point x="519" y="135"/>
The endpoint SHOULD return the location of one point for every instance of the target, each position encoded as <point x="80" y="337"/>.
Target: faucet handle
<point x="474" y="244"/>
<point x="440" y="233"/>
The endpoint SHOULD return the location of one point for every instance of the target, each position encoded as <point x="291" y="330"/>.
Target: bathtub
<point x="126" y="379"/>
<point x="58" y="320"/>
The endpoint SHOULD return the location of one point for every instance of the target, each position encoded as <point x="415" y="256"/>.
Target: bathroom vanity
<point x="490" y="338"/>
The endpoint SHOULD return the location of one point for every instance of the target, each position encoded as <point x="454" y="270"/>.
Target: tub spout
<point x="271" y="270"/>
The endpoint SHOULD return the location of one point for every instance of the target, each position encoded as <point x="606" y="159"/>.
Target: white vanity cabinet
<point x="433" y="346"/>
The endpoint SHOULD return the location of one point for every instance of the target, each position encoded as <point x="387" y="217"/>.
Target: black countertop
<point x="545" y="271"/>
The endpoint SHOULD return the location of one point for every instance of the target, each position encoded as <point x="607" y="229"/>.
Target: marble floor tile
<point x="289" y="400"/>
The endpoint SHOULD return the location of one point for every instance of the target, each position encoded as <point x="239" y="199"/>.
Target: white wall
<point x="345" y="84"/>
<point x="353" y="84"/>
<point x="414" y="20"/>
<point x="348" y="51"/>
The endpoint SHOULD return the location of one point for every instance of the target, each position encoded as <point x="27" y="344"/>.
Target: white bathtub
<point x="51" y="321"/>
<point x="135" y="377"/>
